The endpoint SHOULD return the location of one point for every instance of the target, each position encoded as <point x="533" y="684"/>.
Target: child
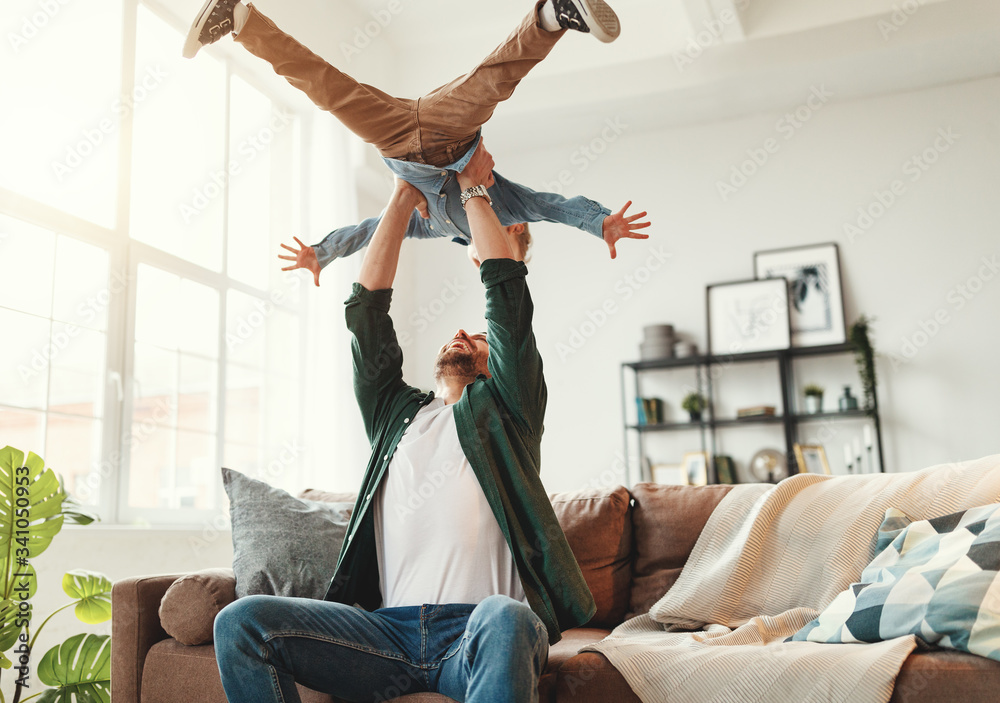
<point x="427" y="141"/>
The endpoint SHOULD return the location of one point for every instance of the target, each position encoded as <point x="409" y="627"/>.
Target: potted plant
<point x="694" y="403"/>
<point x="34" y="506"/>
<point x="864" y="354"/>
<point x="814" y="398"/>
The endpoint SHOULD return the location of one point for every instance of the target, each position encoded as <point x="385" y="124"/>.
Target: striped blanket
<point x="768" y="560"/>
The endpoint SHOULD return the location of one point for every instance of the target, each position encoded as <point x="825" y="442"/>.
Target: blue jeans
<point x="493" y="652"/>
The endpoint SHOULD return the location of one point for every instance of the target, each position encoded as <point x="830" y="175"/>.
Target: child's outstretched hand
<point x="305" y="258"/>
<point x="618" y="226"/>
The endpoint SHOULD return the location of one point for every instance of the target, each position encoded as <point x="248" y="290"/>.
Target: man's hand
<point x="407" y="192"/>
<point x="618" y="226"/>
<point x="305" y="258"/>
<point x="479" y="170"/>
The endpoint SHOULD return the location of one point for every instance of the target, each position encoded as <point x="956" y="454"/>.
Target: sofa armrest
<point x="135" y="627"/>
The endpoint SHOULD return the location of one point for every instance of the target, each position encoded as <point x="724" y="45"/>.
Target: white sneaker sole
<point x="600" y="18"/>
<point x="193" y="42"/>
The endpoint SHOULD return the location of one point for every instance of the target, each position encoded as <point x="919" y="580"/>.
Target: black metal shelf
<point x="787" y="418"/>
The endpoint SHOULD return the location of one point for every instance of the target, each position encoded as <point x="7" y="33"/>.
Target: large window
<point x="155" y="338"/>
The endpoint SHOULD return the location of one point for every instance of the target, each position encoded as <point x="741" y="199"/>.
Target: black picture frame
<point x="815" y="296"/>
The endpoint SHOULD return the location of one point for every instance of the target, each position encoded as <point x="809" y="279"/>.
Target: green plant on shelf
<point x="813" y="390"/>
<point x="695" y="404"/>
<point x="864" y="356"/>
<point x="34" y="506"/>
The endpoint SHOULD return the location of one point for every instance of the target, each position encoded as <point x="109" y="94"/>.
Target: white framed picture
<point x="811" y="459"/>
<point x="816" y="301"/>
<point x="748" y="316"/>
<point x="669" y="474"/>
<point x="696" y="468"/>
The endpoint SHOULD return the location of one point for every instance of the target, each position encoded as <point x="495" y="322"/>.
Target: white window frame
<point x="126" y="254"/>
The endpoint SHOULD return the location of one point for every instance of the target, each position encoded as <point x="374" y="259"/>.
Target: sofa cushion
<point x="282" y="545"/>
<point x="931" y="677"/>
<point x="599" y="531"/>
<point x="189" y="607"/>
<point x="175" y="672"/>
<point x="590" y="677"/>
<point x="666" y="523"/>
<point x="936" y="579"/>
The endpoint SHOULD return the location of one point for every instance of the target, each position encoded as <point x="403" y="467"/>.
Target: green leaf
<point x="94" y="593"/>
<point x="8" y="632"/>
<point x="41" y="496"/>
<point x="79" y="668"/>
<point x="74" y="511"/>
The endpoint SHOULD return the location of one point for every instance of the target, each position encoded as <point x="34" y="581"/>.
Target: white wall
<point x="938" y="405"/>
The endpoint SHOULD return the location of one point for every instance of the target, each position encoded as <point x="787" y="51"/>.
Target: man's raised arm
<point x="514" y="363"/>
<point x="378" y="359"/>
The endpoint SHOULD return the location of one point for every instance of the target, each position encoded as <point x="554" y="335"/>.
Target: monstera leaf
<point x="30" y="509"/>
<point x="93" y="593"/>
<point x="80" y="670"/>
<point x="9" y="632"/>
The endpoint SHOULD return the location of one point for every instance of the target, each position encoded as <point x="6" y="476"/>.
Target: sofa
<point x="631" y="546"/>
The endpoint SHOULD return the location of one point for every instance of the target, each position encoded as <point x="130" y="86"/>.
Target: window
<point x="156" y="338"/>
<point x="54" y="316"/>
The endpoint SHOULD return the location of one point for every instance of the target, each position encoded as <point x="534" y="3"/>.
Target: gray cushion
<point x="282" y="545"/>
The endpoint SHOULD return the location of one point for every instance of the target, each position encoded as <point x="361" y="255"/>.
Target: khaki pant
<point x="436" y="129"/>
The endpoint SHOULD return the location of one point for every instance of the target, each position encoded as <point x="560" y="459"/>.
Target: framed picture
<point x="696" y="468"/>
<point x="811" y="458"/>
<point x="669" y="474"/>
<point x="748" y="316"/>
<point x="816" y="298"/>
<point x="725" y="468"/>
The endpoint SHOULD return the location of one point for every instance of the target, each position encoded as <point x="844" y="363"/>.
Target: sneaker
<point x="591" y="16"/>
<point x="213" y="22"/>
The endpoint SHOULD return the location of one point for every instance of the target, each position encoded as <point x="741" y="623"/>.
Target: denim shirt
<point x="512" y="202"/>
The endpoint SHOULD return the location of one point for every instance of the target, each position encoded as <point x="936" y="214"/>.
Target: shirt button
<point x="386" y="457"/>
<point x="432" y="226"/>
<point x="406" y="420"/>
<point x="448" y="222"/>
<point x="441" y="196"/>
<point x="444" y="173"/>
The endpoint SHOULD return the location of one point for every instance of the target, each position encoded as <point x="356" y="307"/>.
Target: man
<point x="465" y="588"/>
<point x="427" y="141"/>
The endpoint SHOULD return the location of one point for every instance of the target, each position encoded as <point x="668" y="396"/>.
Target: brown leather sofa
<point x="631" y="547"/>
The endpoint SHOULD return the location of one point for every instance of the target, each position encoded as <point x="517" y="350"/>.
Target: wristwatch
<point x="475" y="192"/>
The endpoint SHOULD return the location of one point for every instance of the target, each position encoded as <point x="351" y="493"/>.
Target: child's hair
<point x="523" y="241"/>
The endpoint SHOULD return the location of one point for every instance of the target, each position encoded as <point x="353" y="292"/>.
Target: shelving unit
<point x="707" y="427"/>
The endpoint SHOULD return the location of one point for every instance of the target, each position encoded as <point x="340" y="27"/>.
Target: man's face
<point x="463" y="355"/>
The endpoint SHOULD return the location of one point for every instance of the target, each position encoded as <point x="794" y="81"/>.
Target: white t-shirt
<point x="436" y="537"/>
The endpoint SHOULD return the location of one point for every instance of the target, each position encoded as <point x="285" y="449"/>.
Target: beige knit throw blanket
<point x="768" y="561"/>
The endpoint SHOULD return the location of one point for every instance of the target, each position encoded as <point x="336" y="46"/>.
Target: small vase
<point x="814" y="404"/>
<point x="848" y="401"/>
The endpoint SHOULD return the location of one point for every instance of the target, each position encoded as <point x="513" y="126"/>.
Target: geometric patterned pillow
<point x="937" y="579"/>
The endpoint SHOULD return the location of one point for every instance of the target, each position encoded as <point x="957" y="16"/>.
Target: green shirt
<point x="499" y="422"/>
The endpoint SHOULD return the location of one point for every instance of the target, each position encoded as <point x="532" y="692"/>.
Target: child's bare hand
<point x="618" y="226"/>
<point x="305" y="258"/>
<point x="479" y="170"/>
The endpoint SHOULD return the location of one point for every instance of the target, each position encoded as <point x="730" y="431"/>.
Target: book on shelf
<point x="649" y="411"/>
<point x="756" y="411"/>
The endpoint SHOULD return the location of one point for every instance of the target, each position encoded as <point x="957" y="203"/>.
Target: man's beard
<point x="457" y="363"/>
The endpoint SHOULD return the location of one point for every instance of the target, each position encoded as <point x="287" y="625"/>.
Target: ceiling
<point x="766" y="56"/>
